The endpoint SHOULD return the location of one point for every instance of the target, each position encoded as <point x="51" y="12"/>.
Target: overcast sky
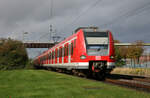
<point x="127" y="19"/>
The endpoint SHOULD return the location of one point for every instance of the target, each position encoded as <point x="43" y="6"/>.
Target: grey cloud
<point x="34" y="16"/>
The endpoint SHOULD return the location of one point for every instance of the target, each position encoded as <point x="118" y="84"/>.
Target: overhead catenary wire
<point x="51" y="16"/>
<point x="124" y="15"/>
<point x="76" y="18"/>
<point x="128" y="14"/>
<point x="90" y="7"/>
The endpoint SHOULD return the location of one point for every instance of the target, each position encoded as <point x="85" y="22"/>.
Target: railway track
<point x="135" y="82"/>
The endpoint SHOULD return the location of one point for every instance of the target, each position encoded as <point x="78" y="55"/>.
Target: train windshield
<point x="96" y="43"/>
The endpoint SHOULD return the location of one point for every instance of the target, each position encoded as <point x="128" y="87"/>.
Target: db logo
<point x="98" y="57"/>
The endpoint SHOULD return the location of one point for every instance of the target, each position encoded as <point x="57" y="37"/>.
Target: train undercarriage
<point x="97" y="70"/>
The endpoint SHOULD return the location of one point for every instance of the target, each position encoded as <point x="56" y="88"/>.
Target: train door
<point x="52" y="57"/>
<point x="44" y="60"/>
<point x="63" y="54"/>
<point x="60" y="55"/>
<point x="47" y="58"/>
<point x="69" y="52"/>
<point x="72" y="51"/>
<point x="66" y="53"/>
<point x="56" y="56"/>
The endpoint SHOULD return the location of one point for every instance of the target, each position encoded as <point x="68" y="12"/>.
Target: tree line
<point x="13" y="54"/>
<point x="133" y="52"/>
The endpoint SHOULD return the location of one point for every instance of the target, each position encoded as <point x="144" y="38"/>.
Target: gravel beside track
<point x="136" y="82"/>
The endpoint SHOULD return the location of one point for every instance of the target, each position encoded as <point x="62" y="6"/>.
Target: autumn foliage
<point x="13" y="54"/>
<point x="133" y="52"/>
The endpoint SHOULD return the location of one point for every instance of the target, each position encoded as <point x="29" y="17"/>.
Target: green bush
<point x="30" y="64"/>
<point x="13" y="54"/>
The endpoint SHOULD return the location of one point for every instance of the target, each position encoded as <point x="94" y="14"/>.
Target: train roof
<point x="90" y="29"/>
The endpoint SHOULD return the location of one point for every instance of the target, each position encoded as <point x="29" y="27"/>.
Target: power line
<point x="81" y="14"/>
<point x="125" y="15"/>
<point x="128" y="14"/>
<point x="43" y="36"/>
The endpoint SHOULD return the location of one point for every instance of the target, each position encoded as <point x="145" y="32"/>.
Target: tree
<point x="135" y="51"/>
<point x="120" y="53"/>
<point x="13" y="54"/>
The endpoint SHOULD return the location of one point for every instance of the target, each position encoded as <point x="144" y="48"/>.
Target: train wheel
<point x="100" y="76"/>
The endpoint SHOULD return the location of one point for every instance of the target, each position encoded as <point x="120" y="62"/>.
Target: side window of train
<point x="65" y="50"/>
<point x="71" y="48"/>
<point x="62" y="51"/>
<point x="52" y="55"/>
<point x="74" y="43"/>
<point x="55" y="53"/>
<point x="49" y="56"/>
<point x="58" y="53"/>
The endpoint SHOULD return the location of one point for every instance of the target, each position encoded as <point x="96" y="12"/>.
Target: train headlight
<point x="82" y="57"/>
<point x="112" y="57"/>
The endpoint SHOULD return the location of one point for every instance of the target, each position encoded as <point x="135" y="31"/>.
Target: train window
<point x="55" y="53"/>
<point x="71" y="48"/>
<point x="62" y="51"/>
<point x="52" y="55"/>
<point x="49" y="56"/>
<point x="67" y="50"/>
<point x="74" y="43"/>
<point x="58" y="53"/>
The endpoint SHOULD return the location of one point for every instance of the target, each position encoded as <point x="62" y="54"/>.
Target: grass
<point x="132" y="71"/>
<point x="46" y="84"/>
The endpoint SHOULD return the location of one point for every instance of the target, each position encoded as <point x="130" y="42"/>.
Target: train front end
<point x="98" y="50"/>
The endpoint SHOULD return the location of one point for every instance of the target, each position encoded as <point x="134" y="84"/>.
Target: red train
<point x="89" y="50"/>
